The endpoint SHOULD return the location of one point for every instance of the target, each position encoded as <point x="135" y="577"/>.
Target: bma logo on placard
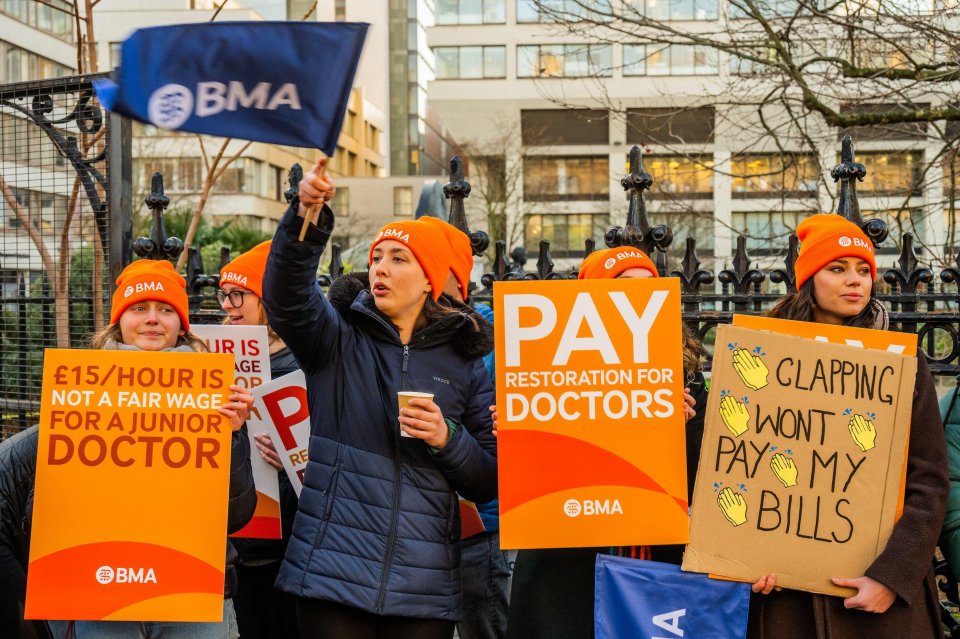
<point x="589" y="507"/>
<point x="106" y="575"/>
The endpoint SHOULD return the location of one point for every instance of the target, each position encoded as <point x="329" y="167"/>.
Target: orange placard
<point x="590" y="413"/>
<point x="133" y="471"/>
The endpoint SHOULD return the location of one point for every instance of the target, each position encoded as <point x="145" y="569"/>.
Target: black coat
<point x="378" y="526"/>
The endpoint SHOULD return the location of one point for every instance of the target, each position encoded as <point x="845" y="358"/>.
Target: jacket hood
<point x="349" y="295"/>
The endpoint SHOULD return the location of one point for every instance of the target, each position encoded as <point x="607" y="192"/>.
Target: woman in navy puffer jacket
<point x="375" y="550"/>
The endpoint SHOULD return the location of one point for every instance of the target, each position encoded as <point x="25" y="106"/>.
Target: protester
<point x="553" y="589"/>
<point x="18" y="466"/>
<point x="486" y="573"/>
<point x="375" y="549"/>
<point x="897" y="597"/>
<point x="950" y="534"/>
<point x="263" y="612"/>
<point x="154" y="317"/>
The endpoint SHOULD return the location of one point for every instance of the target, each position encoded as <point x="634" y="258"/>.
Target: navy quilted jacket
<point x="378" y="526"/>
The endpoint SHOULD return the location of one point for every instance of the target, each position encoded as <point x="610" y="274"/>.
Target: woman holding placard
<point x="553" y="589"/>
<point x="262" y="610"/>
<point x="375" y="549"/>
<point x="150" y="313"/>
<point x="835" y="272"/>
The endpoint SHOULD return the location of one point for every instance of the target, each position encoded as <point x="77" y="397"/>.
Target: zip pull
<point x="406" y="358"/>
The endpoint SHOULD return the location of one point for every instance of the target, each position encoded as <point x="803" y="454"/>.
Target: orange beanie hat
<point x="246" y="269"/>
<point x="145" y="280"/>
<point x="461" y="253"/>
<point x="427" y="243"/>
<point x="826" y="237"/>
<point x="609" y="263"/>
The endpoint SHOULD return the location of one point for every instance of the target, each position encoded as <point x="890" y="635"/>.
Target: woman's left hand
<point x="422" y="419"/>
<point x="688" y="403"/>
<point x="872" y="596"/>
<point x="238" y="407"/>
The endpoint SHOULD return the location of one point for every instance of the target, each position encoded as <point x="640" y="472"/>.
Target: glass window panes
<point x="680" y="175"/>
<point x="766" y="231"/>
<point x="634" y="59"/>
<point x="550" y="178"/>
<point x="678" y="59"/>
<point x="470" y="12"/>
<point x="494" y="62"/>
<point x="448" y="62"/>
<point x="677" y="9"/>
<point x="774" y="175"/>
<point x="403" y="201"/>
<point x="891" y="173"/>
<point x="564" y="60"/>
<point x="567" y="233"/>
<point x="470" y="62"/>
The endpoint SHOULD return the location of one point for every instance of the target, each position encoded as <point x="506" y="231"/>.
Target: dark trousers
<point x="263" y="612"/>
<point x="320" y="619"/>
<point x="486" y="587"/>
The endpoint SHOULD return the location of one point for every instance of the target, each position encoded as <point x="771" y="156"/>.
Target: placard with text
<point x="280" y="408"/>
<point x="132" y="488"/>
<point x="590" y="413"/>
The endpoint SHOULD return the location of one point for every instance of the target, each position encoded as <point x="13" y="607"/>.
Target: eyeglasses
<point x="235" y="296"/>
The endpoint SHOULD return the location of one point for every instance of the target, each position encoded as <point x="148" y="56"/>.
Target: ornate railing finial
<point x="457" y="190"/>
<point x="158" y="246"/>
<point x="336" y="266"/>
<point x="848" y="173"/>
<point x="742" y="277"/>
<point x="788" y="275"/>
<point x="637" y="231"/>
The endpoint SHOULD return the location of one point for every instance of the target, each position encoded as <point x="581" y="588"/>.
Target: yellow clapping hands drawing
<point x="733" y="506"/>
<point x="751" y="369"/>
<point x="863" y="431"/>
<point x="785" y="470"/>
<point x="734" y="415"/>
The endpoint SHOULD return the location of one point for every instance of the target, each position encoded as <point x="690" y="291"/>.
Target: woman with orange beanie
<point x="150" y="312"/>
<point x="375" y="550"/>
<point x="262" y="610"/>
<point x="553" y="589"/>
<point x="897" y="597"/>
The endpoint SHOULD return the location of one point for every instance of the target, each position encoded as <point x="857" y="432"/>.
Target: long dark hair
<point x="439" y="309"/>
<point x="800" y="305"/>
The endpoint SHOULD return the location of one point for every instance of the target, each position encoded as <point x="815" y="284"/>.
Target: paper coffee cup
<point x="403" y="398"/>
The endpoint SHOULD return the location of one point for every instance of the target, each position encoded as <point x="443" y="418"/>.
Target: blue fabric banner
<point x="279" y="82"/>
<point x="650" y="600"/>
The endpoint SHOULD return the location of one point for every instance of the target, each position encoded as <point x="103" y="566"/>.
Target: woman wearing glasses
<point x="262" y="611"/>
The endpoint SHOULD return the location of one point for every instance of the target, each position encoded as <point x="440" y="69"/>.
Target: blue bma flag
<point x="651" y="600"/>
<point x="279" y="82"/>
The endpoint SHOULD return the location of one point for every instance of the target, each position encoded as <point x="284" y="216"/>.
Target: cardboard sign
<point x="590" y="411"/>
<point x="893" y="341"/>
<point x="251" y="350"/>
<point x="803" y="447"/>
<point x="133" y="472"/>
<point x="283" y="413"/>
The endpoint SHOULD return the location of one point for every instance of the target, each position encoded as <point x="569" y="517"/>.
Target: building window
<point x="765" y="60"/>
<point x="680" y="175"/>
<point x="350" y="125"/>
<point x="342" y="202"/>
<point x="677" y="9"/>
<point x="471" y="12"/>
<point x="18" y="64"/>
<point x="774" y="175"/>
<point x="53" y="16"/>
<point x="696" y="224"/>
<point x="767" y="232"/>
<point x="470" y="62"/>
<point x="244" y="175"/>
<point x="180" y="175"/>
<point x="672" y="59"/>
<point x="561" y="11"/>
<point x="564" y="60"/>
<point x="403" y="201"/>
<point x="372" y="138"/>
<point x="893" y="131"/>
<point x="550" y="127"/>
<point x="549" y="178"/>
<point x="567" y="233"/>
<point x="891" y="173"/>
<point x="670" y="126"/>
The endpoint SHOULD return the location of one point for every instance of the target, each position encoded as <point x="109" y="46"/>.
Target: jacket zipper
<point x="395" y="511"/>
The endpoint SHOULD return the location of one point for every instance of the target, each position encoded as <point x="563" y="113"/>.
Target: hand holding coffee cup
<point x="421" y="418"/>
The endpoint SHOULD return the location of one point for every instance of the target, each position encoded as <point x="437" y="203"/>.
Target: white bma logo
<point x="104" y="574"/>
<point x="845" y="241"/>
<point x="170" y="106"/>
<point x="127" y="292"/>
<point x="609" y="263"/>
<point x="571" y="508"/>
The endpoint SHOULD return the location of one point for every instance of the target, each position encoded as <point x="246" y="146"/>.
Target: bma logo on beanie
<point x="234" y="278"/>
<point x="393" y="234"/>
<point x="609" y="263"/>
<point x="142" y="287"/>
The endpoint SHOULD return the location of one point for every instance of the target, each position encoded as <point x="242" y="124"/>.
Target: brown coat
<point x="905" y="566"/>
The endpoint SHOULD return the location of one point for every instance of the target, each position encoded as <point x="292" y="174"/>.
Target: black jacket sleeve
<point x="296" y="307"/>
<point x="243" y="495"/>
<point x="694" y="430"/>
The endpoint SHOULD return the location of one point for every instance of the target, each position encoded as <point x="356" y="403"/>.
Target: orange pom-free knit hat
<point x="826" y="237"/>
<point x="461" y="253"/>
<point x="145" y="280"/>
<point x="427" y="243"/>
<point x="246" y="269"/>
<point x="609" y="263"/>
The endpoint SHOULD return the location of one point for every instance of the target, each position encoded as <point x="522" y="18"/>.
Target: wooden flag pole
<point x="312" y="216"/>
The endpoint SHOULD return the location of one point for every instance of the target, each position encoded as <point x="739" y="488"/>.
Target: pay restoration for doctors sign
<point x="590" y="413"/>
